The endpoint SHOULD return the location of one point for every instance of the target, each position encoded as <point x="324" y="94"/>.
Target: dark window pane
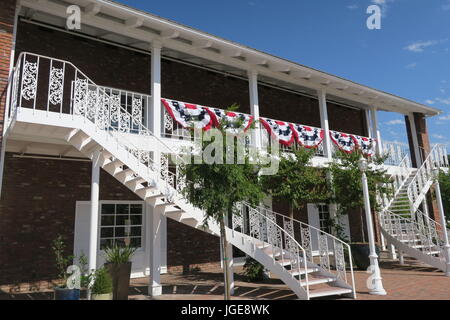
<point x="135" y="242"/>
<point x="122" y="220"/>
<point x="120" y="232"/>
<point x="136" y="209"/>
<point x="136" y="220"/>
<point x="135" y="231"/>
<point x="108" y="208"/>
<point x="107" y="220"/>
<point x="120" y="242"/>
<point x="122" y="209"/>
<point x="107" y="233"/>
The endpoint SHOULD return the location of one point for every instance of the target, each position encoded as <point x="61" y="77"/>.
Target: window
<point x="121" y="224"/>
<point x="324" y="218"/>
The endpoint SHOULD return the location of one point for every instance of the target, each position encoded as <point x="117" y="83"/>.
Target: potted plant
<point x="102" y="288"/>
<point x="62" y="292"/>
<point x="253" y="270"/>
<point x="360" y="254"/>
<point x="118" y="263"/>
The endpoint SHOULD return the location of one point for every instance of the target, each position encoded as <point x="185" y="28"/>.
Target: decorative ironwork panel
<point x="80" y="93"/>
<point x="136" y="110"/>
<point x="255" y="224"/>
<point x="168" y="122"/>
<point x="56" y="85"/>
<point x="29" y="80"/>
<point x="306" y="242"/>
<point x="238" y="222"/>
<point x="323" y="252"/>
<point x="339" y="258"/>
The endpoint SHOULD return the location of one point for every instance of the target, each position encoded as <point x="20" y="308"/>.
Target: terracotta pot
<point x="104" y="296"/>
<point x="120" y="274"/>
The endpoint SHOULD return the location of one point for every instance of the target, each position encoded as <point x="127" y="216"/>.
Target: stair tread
<point x="318" y="279"/>
<point x="328" y="291"/>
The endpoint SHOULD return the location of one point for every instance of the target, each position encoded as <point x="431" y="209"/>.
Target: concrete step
<point x="328" y="291"/>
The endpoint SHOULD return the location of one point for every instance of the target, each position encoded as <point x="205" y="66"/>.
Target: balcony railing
<point x="48" y="84"/>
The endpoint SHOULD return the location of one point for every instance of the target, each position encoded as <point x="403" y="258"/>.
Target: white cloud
<point x="443" y="101"/>
<point x="353" y="7"/>
<point x="446" y="6"/>
<point x="383" y="4"/>
<point x="429" y="101"/>
<point x="395" y="122"/>
<point x="445" y="118"/>
<point x="411" y="65"/>
<point x="420" y="45"/>
<point x="438" y="136"/>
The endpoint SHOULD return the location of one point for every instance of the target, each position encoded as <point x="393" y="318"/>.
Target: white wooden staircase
<point x="404" y="225"/>
<point x="98" y="125"/>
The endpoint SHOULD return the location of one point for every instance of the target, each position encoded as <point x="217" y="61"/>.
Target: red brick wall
<point x="38" y="202"/>
<point x="6" y="38"/>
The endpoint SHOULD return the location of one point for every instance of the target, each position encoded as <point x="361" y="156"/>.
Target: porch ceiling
<point x="111" y="21"/>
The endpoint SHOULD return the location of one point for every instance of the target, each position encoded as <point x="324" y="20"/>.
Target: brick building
<point x="48" y="185"/>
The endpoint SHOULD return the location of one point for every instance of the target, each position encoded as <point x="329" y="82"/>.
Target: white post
<point x="324" y="123"/>
<point x="444" y="227"/>
<point x="155" y="288"/>
<point x="376" y="287"/>
<point x="8" y="94"/>
<point x="368" y="123"/>
<point x="415" y="140"/>
<point x="164" y="245"/>
<point x="230" y="262"/>
<point x="254" y="106"/>
<point x="154" y="117"/>
<point x="375" y="130"/>
<point x="95" y="191"/>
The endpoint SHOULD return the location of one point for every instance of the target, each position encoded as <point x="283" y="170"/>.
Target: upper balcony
<point x="50" y="91"/>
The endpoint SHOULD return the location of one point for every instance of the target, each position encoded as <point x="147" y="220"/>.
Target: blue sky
<point x="408" y="57"/>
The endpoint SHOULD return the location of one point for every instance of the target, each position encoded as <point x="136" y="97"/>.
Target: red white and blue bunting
<point x="189" y="115"/>
<point x="343" y="141"/>
<point x="366" y="145"/>
<point x="282" y="131"/>
<point x="308" y="137"/>
<point x="232" y="122"/>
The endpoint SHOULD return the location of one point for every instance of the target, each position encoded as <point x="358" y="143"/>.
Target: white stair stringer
<point x="114" y="158"/>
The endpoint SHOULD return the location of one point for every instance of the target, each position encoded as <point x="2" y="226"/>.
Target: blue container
<point x="67" y="294"/>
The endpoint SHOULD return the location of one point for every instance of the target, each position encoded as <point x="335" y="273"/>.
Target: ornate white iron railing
<point x="332" y="254"/>
<point x="424" y="177"/>
<point x="280" y="244"/>
<point x="397" y="152"/>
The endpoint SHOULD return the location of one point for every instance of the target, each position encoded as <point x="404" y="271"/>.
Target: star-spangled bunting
<point x="188" y="115"/>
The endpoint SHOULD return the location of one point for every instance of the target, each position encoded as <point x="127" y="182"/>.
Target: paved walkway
<point x="410" y="282"/>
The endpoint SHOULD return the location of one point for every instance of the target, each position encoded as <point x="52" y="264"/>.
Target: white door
<point x="119" y="222"/>
<point x="318" y="215"/>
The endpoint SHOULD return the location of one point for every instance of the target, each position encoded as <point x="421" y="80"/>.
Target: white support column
<point x="254" y="105"/>
<point x="154" y="117"/>
<point x="415" y="140"/>
<point x="325" y="123"/>
<point x="155" y="219"/>
<point x="444" y="226"/>
<point x="375" y="130"/>
<point x="8" y="94"/>
<point x="368" y="123"/>
<point x="95" y="192"/>
<point x="164" y="244"/>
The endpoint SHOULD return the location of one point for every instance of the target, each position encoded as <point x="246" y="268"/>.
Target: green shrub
<point x="102" y="283"/>
<point x="253" y="270"/>
<point x="119" y="255"/>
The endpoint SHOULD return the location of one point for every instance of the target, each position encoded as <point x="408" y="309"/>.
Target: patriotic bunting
<point x="282" y="131"/>
<point x="345" y="142"/>
<point x="233" y="122"/>
<point x="308" y="137"/>
<point x="191" y="115"/>
<point x="188" y="115"/>
<point x="366" y="145"/>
